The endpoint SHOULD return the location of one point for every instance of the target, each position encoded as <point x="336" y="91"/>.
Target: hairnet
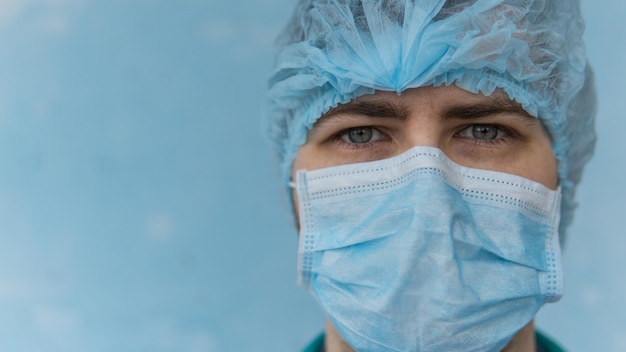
<point x="335" y="50"/>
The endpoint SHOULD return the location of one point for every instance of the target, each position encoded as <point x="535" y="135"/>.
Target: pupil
<point x="484" y="132"/>
<point x="360" y="135"/>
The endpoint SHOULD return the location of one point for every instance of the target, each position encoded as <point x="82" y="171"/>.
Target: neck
<point x="333" y="341"/>
<point x="523" y="341"/>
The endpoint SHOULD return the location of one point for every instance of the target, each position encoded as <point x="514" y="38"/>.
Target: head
<point x="477" y="131"/>
<point x="493" y="86"/>
<point x="333" y="52"/>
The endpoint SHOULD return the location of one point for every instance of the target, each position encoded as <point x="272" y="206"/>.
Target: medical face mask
<point x="417" y="253"/>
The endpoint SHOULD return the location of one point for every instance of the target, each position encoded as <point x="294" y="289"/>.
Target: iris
<point x="360" y="135"/>
<point x="484" y="132"/>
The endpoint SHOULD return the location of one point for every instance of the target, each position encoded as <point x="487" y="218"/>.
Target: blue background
<point x="139" y="203"/>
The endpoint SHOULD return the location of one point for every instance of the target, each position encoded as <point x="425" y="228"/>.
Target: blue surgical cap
<point x="333" y="51"/>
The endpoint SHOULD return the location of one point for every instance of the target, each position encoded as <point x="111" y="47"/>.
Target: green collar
<point x="546" y="343"/>
<point x="315" y="345"/>
<point x="543" y="341"/>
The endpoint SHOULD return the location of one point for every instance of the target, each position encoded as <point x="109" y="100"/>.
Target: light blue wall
<point x="592" y="314"/>
<point x="139" y="205"/>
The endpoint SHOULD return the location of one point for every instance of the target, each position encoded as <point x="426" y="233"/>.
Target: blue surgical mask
<point x="418" y="253"/>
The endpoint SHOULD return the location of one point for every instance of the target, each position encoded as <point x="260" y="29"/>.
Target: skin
<point x="523" y="341"/>
<point x="474" y="130"/>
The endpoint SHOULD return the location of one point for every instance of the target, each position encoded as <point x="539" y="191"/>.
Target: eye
<point x="483" y="132"/>
<point x="361" y="135"/>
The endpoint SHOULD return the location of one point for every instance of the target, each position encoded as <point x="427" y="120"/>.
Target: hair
<point x="333" y="51"/>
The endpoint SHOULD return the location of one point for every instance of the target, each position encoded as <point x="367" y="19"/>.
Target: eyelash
<point x="503" y="133"/>
<point x="343" y="134"/>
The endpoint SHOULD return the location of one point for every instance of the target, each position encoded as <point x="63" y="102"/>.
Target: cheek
<point x="313" y="157"/>
<point x="294" y="200"/>
<point x="299" y="163"/>
<point x="530" y="157"/>
<point x="310" y="156"/>
<point x="540" y="166"/>
<point x="549" y="174"/>
<point x="543" y="166"/>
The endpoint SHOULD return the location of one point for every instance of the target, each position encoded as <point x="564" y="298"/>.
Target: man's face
<point x="474" y="130"/>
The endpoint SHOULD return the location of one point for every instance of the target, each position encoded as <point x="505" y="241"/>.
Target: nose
<point x="421" y="129"/>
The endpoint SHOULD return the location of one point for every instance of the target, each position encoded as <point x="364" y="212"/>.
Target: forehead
<point x="439" y="96"/>
<point x="444" y="101"/>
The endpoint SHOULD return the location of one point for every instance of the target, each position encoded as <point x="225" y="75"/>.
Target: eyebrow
<point x="494" y="106"/>
<point x="376" y="109"/>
